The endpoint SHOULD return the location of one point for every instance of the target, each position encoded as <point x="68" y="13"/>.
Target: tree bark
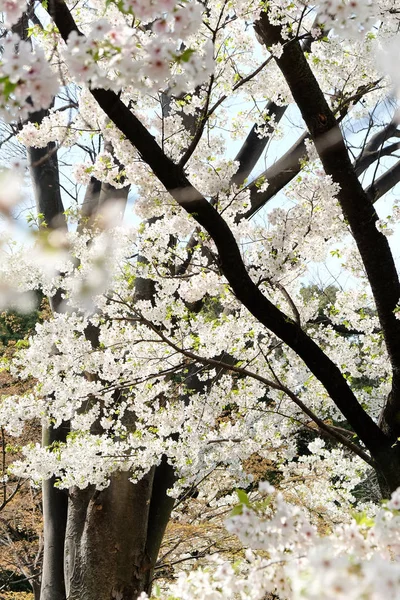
<point x="43" y="166"/>
<point x="55" y="504"/>
<point x="106" y="555"/>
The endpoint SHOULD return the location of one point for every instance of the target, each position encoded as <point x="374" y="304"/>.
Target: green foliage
<point x="326" y="296"/>
<point x="121" y="7"/>
<point x="8" y="86"/>
<point x="185" y="56"/>
<point x="363" y="520"/>
<point x="15" y="328"/>
<point x="243" y="501"/>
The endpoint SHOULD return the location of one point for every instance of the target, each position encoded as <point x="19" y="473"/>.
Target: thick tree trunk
<point x="105" y="551"/>
<point x="161" y="506"/>
<point x="113" y="536"/>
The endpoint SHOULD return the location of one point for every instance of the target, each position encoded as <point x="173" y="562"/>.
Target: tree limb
<point x="374" y="144"/>
<point x="355" y="204"/>
<point x="232" y="266"/>
<point x="277" y="385"/>
<point x="384" y="183"/>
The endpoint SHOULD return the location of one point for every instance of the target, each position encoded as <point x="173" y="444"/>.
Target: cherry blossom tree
<point x="185" y="342"/>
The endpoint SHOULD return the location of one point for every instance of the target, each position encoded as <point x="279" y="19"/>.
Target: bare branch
<point x="384" y="183"/>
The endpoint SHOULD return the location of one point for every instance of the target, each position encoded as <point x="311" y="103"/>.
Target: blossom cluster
<point x="12" y="10"/>
<point x="27" y="82"/>
<point x="148" y="381"/>
<point x="285" y="555"/>
<point x="97" y="286"/>
<point x="114" y="57"/>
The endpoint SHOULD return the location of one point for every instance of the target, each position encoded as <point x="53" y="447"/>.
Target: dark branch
<point x="373" y="145"/>
<point x="278" y="175"/>
<point x="233" y="268"/>
<point x="254" y="145"/>
<point x="384" y="183"/>
<point x="355" y="204"/>
<point x="366" y="159"/>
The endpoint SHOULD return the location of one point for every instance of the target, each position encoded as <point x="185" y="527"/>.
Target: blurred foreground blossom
<point x="387" y="62"/>
<point x="10" y="190"/>
<point x="351" y="17"/>
<point x="13" y="298"/>
<point x="13" y="10"/>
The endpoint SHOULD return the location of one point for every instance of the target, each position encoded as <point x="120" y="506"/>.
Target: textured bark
<point x="105" y="549"/>
<point x="55" y="504"/>
<point x="43" y="166"/>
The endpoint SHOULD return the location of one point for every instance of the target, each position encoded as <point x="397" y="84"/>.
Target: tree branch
<point x="232" y="266"/>
<point x="366" y="159"/>
<point x="254" y="145"/>
<point x="355" y="204"/>
<point x="203" y="118"/>
<point x="373" y="145"/>
<point x="278" y="175"/>
<point x="276" y="385"/>
<point x="384" y="183"/>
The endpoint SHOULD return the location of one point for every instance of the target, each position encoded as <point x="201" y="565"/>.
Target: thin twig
<point x="277" y="385"/>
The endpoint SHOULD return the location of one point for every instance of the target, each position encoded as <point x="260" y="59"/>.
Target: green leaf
<point x="120" y="5"/>
<point x="236" y="510"/>
<point x="8" y="87"/>
<point x="243" y="497"/>
<point x="362" y="519"/>
<point x="185" y="56"/>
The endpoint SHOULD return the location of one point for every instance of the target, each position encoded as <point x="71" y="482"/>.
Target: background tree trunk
<point x="55" y="503"/>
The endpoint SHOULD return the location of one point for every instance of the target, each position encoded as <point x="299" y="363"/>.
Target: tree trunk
<point x="105" y="551"/>
<point x="113" y="536"/>
<point x="388" y="471"/>
<point x="55" y="503"/>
